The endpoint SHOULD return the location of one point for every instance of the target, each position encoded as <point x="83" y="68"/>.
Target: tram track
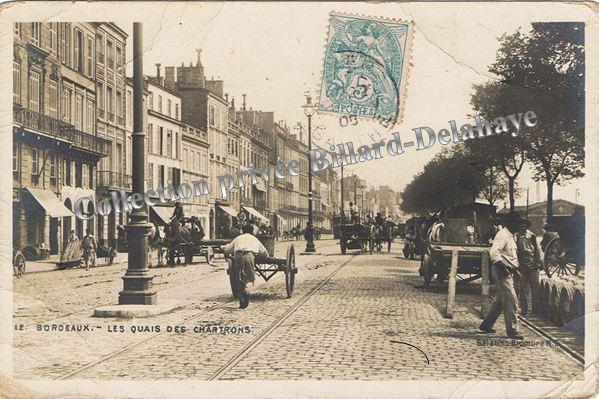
<point x="541" y="331"/>
<point x="256" y="341"/>
<point x="195" y="317"/>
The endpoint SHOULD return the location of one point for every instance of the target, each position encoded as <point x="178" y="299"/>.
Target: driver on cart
<point x="178" y="213"/>
<point x="243" y="250"/>
<point x="378" y="219"/>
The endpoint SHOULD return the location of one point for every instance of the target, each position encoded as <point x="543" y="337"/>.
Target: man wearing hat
<point x="504" y="264"/>
<point x="529" y="259"/>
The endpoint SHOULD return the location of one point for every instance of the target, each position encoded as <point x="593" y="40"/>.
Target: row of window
<point x="217" y="118"/>
<point x="163" y="141"/>
<point x="74" y="173"/>
<point x="169" y="106"/>
<point x="111" y="100"/>
<point x="75" y="109"/>
<point x="195" y="161"/>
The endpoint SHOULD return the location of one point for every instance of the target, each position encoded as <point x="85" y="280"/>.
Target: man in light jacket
<point x="504" y="265"/>
<point x="243" y="249"/>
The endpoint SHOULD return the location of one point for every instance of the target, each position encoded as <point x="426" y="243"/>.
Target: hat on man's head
<point x="526" y="223"/>
<point x="513" y="218"/>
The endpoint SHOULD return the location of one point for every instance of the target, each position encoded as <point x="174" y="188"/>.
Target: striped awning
<point x="50" y="202"/>
<point x="227" y="209"/>
<point x="255" y="214"/>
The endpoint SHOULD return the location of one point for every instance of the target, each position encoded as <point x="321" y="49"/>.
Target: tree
<point x="546" y="69"/>
<point x="447" y="180"/>
<point x="503" y="152"/>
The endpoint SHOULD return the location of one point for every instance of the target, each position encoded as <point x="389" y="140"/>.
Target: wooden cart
<point x="356" y="236"/>
<point x="267" y="267"/>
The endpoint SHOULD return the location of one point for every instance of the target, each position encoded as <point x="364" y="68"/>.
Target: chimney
<point x="233" y="102"/>
<point x="158" y="80"/>
<point x="243" y="104"/>
<point x="227" y="97"/>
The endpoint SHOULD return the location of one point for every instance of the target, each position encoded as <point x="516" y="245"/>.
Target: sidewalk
<point x="51" y="263"/>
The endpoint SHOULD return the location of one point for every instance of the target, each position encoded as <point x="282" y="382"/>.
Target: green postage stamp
<point x="365" y="67"/>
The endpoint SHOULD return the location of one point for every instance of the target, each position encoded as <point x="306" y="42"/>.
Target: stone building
<point x="110" y="82"/>
<point x="164" y="138"/>
<point x="56" y="149"/>
<point x="195" y="167"/>
<point x="204" y="107"/>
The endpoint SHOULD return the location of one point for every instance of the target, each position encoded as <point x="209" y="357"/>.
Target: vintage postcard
<point x="298" y="199"/>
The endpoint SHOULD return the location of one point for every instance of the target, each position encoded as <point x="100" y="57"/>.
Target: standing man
<point x="90" y="247"/>
<point x="504" y="264"/>
<point x="353" y="212"/>
<point x="243" y="249"/>
<point x="529" y="258"/>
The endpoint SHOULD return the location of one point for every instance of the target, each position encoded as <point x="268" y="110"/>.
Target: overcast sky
<point x="273" y="53"/>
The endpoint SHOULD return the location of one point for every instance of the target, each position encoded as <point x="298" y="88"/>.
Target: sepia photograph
<point x="299" y="200"/>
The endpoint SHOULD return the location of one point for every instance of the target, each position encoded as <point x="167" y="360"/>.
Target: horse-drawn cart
<point x="446" y="255"/>
<point x="267" y="267"/>
<point x="356" y="236"/>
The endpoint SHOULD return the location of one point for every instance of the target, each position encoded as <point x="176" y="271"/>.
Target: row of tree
<point x="543" y="71"/>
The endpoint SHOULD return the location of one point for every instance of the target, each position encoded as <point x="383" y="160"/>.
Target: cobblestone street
<point x="350" y="317"/>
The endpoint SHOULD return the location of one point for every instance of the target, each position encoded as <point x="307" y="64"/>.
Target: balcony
<point x="60" y="130"/>
<point x="110" y="179"/>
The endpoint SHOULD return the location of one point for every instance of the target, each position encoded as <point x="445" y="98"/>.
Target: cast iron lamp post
<point x="309" y="111"/>
<point x="137" y="282"/>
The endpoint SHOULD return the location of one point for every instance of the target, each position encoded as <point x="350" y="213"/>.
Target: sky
<point x="273" y="53"/>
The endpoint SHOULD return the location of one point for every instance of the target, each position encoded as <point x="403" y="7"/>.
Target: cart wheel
<point x="555" y="260"/>
<point x="209" y="255"/>
<point x="232" y="280"/>
<point x="19" y="264"/>
<point x="343" y="248"/>
<point x="290" y="271"/>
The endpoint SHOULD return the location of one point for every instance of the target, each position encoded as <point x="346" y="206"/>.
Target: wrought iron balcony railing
<point x="110" y="179"/>
<point x="59" y="129"/>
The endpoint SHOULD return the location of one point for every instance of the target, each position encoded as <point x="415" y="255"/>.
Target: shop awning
<point x="255" y="213"/>
<point x="50" y="202"/>
<point x="228" y="210"/>
<point x="162" y="213"/>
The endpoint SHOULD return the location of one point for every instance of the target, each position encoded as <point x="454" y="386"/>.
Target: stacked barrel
<point x="562" y="300"/>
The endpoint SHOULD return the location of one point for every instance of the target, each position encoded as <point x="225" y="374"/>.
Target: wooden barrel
<point x="546" y="298"/>
<point x="566" y="299"/>
<point x="577" y="310"/>
<point x="554" y="304"/>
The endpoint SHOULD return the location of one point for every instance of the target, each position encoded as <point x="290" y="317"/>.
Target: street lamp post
<point x="309" y="112"/>
<point x="137" y="282"/>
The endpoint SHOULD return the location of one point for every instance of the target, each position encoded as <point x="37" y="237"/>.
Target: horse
<point x="180" y="239"/>
<point x="156" y="242"/>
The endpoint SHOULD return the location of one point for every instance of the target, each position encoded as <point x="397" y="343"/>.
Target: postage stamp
<point x="365" y="66"/>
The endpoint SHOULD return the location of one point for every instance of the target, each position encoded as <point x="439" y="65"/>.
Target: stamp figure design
<point x="365" y="67"/>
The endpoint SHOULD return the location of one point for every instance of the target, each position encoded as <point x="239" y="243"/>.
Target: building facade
<point x="56" y="149"/>
<point x="110" y="50"/>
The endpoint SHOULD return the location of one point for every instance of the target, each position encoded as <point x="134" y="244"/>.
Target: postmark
<point x="365" y="67"/>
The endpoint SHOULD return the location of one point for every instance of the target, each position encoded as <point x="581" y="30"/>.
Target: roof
<point x="540" y="207"/>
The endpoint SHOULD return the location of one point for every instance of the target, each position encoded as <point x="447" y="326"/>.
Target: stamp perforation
<point x="407" y="62"/>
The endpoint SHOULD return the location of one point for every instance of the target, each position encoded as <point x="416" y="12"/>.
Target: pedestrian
<point x="470" y="231"/>
<point x="243" y="249"/>
<point x="529" y="259"/>
<point x="353" y="213"/>
<point x="504" y="264"/>
<point x="89" y="247"/>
